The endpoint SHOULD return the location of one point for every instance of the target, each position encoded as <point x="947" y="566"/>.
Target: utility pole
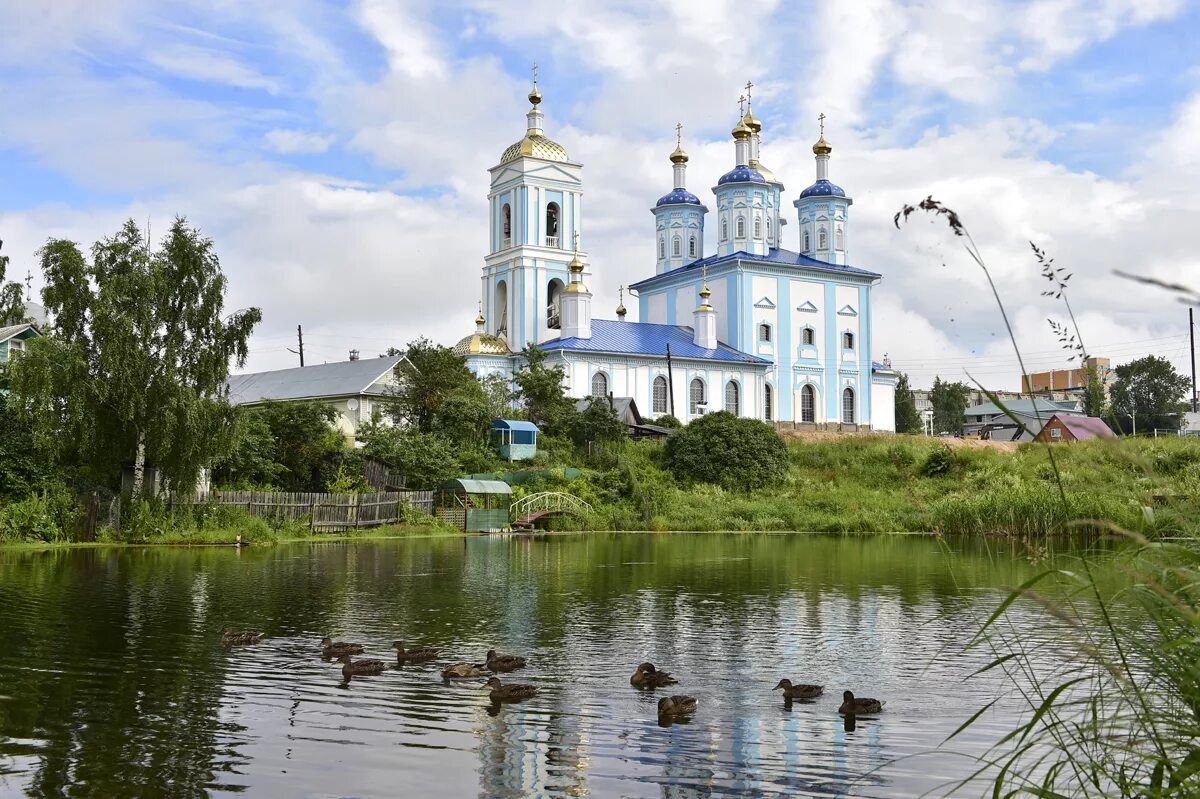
<point x="670" y="381"/>
<point x="1192" y="339"/>
<point x="300" y="341"/>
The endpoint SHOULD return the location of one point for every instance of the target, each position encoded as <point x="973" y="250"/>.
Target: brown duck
<point x="677" y="705"/>
<point x="852" y="706"/>
<point x="336" y="649"/>
<point x="459" y="671"/>
<point x="497" y="662"/>
<point x="359" y="667"/>
<point x="417" y="653"/>
<point x="799" y="691"/>
<point x="647" y="676"/>
<point x="510" y="692"/>
<point x="232" y="637"/>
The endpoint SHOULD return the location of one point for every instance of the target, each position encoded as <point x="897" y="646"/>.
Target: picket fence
<point x="322" y="512"/>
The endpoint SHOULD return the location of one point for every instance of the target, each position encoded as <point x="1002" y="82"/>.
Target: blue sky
<point x="337" y="152"/>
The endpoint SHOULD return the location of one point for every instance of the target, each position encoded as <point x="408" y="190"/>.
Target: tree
<point x="908" y="420"/>
<point x="598" y="423"/>
<point x="1150" y="392"/>
<point x="1094" y="402"/>
<point x="949" y="402"/>
<point x="135" y="365"/>
<point x="735" y="453"/>
<point x="12" y="308"/>
<point x="425" y="459"/>
<point x="428" y="376"/>
<point x="540" y="388"/>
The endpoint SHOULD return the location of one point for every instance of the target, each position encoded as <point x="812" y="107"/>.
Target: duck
<point x="677" y="705"/>
<point x="851" y="706"/>
<point x="356" y="667"/>
<point x="335" y="649"/>
<point x="232" y="637"/>
<point x="647" y="676"/>
<point x="504" y="662"/>
<point x="414" y="654"/>
<point x="458" y="671"/>
<point x="502" y="693"/>
<point x="799" y="691"/>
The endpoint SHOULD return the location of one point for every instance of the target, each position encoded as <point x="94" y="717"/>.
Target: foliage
<point x="285" y="444"/>
<point x="425" y="459"/>
<point x="540" y="389"/>
<point x="137" y="357"/>
<point x="429" y="376"/>
<point x="735" y="453"/>
<point x="1150" y="390"/>
<point x="949" y="402"/>
<point x="597" y="423"/>
<point x="1094" y="401"/>
<point x="49" y="514"/>
<point x="908" y="419"/>
<point x="348" y="480"/>
<point x="23" y="470"/>
<point x="12" y="307"/>
<point x="666" y="420"/>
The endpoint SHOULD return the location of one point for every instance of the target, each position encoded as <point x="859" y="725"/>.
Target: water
<point x="113" y="681"/>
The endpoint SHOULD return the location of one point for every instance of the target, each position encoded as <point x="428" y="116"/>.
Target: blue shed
<point x="516" y="440"/>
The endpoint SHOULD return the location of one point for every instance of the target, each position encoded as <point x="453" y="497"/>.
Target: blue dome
<point x="823" y="188"/>
<point x="678" y="196"/>
<point x="741" y="174"/>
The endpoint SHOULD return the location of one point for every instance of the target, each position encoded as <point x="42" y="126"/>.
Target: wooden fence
<point x="322" y="512"/>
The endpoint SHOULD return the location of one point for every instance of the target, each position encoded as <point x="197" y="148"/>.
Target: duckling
<point x="678" y="705"/>
<point x="232" y="637"/>
<point x="799" y="691"/>
<point x="504" y="662"/>
<point x="358" y="667"/>
<point x="415" y="654"/>
<point x="510" y="692"/>
<point x="647" y="676"/>
<point x="460" y="670"/>
<point x="335" y="649"/>
<point x="851" y="706"/>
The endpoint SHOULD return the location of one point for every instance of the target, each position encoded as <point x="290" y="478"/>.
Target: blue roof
<point x="775" y="256"/>
<point x="515" y="424"/>
<point x="677" y="196"/>
<point x="741" y="174"/>
<point x="823" y="188"/>
<point x="644" y="338"/>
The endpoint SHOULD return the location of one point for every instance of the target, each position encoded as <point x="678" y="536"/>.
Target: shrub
<point x="736" y="454"/>
<point x="939" y="462"/>
<point x="49" y="515"/>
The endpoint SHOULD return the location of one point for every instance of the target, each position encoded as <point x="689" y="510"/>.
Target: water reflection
<point x="114" y="682"/>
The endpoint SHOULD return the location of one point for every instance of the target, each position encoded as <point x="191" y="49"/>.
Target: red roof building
<point x="1074" y="428"/>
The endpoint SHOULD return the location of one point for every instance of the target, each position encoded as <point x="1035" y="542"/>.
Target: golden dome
<point x="479" y="320"/>
<point x="481" y="344"/>
<point x="822" y="147"/>
<point x="767" y="174"/>
<point x="621" y="310"/>
<point x="535" y="96"/>
<point x="679" y="156"/>
<point x="536" y="146"/>
<point x="751" y="122"/>
<point x="740" y="131"/>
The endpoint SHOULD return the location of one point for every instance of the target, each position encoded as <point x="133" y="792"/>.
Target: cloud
<point x="202" y="64"/>
<point x="294" y="142"/>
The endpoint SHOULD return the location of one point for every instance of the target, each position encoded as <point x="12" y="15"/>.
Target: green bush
<point x="722" y="449"/>
<point x="49" y="515"/>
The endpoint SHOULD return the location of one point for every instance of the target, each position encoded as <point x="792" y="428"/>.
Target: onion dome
<point x="823" y="188"/>
<point x="679" y="156"/>
<point x="741" y="174"/>
<point x="741" y="130"/>
<point x="752" y="122"/>
<point x="822" y="147"/>
<point x="704" y="294"/>
<point x="767" y="174"/>
<point x="481" y="344"/>
<point x="678" y="196"/>
<point x="621" y="311"/>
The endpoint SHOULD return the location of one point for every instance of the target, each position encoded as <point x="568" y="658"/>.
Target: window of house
<point x="808" y="404"/>
<point x="822" y="239"/>
<point x="764" y="332"/>
<point x="848" y="406"/>
<point x="848" y="341"/>
<point x="732" y="403"/>
<point x="662" y="248"/>
<point x="677" y="247"/>
<point x="692" y="247"/>
<point x="768" y="403"/>
<point x="808" y="336"/>
<point x="807" y="241"/>
<point x="659" y="403"/>
<point x="696" y="396"/>
<point x="840" y="239"/>
<point x="757" y="228"/>
<point x="741" y="227"/>
<point x="724" y="229"/>
<point x="599" y="385"/>
<point x="1055" y="432"/>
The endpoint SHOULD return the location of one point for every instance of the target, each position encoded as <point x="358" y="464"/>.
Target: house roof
<point x="344" y="378"/>
<point x="468" y="486"/>
<point x="24" y="330"/>
<point x="1020" y="406"/>
<point x="515" y="424"/>
<point x="774" y="256"/>
<point x="645" y="338"/>
<point x="624" y="407"/>
<point x="1085" y="426"/>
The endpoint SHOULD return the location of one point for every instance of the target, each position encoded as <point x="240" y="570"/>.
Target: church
<point x="753" y="329"/>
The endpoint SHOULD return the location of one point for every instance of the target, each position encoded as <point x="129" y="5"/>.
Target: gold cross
<point x="749" y="85"/>
<point x="741" y="106"/>
<point x="821" y="119"/>
<point x="577" y="241"/>
<point x="621" y="290"/>
<point x="535" y="75"/>
<point x="678" y="134"/>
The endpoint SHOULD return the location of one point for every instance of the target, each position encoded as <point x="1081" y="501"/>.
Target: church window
<point x="767" y="402"/>
<point x="552" y="215"/>
<point x="807" y="241"/>
<point x="676" y="247"/>
<point x="659" y="400"/>
<point x="822" y="239"/>
<point x="808" y="404"/>
<point x="554" y="304"/>
<point x="506" y="213"/>
<point x="724" y="229"/>
<point x="599" y="385"/>
<point x="840" y="238"/>
<point x="692" y="247"/>
<point x="847" y="341"/>
<point x="741" y="227"/>
<point x="848" y="406"/>
<point x="662" y="248"/>
<point x="808" y="336"/>
<point x="757" y="228"/>
<point x="500" y="314"/>
<point x="732" y="398"/>
<point x="696" y="396"/>
<point x="764" y="332"/>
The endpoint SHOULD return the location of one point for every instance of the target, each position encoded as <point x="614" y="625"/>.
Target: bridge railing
<point x="547" y="502"/>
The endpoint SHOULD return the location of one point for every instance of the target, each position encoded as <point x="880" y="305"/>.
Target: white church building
<point x="753" y="329"/>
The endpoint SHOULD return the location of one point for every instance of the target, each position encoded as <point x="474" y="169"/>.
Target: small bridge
<point x="524" y="512"/>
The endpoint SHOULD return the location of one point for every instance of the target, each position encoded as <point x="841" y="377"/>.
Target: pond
<point x="114" y="682"/>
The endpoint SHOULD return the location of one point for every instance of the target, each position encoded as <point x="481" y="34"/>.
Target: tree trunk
<point x="139" y="467"/>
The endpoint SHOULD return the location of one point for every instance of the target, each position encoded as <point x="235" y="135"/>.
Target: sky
<point x="337" y="153"/>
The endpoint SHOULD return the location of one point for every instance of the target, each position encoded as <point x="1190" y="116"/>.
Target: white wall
<point x="883" y="407"/>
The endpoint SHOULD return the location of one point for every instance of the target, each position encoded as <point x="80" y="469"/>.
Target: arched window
<point x="506" y="214"/>
<point x="732" y="393"/>
<point x="768" y="402"/>
<point x="659" y="400"/>
<point x="553" y="303"/>
<point x="724" y="229"/>
<point x="822" y="239"/>
<point x="757" y="228"/>
<point x="599" y="385"/>
<point x="692" y="247"/>
<point x="500" y="313"/>
<point x="808" y="336"/>
<point x="848" y="406"/>
<point x="807" y="241"/>
<point x="808" y="404"/>
<point x="662" y="247"/>
<point x="741" y="227"/>
<point x="764" y="332"/>
<point x="839" y="238"/>
<point x="676" y="247"/>
<point x="696" y="396"/>
<point x="847" y="341"/>
<point x="552" y="216"/>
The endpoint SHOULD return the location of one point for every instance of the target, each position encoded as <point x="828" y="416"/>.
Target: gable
<point x="765" y="302"/>
<point x="846" y="310"/>
<point x="806" y="307"/>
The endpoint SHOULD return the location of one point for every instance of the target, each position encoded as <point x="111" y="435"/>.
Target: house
<point x="627" y="411"/>
<point x="1068" y="427"/>
<point x="357" y="389"/>
<point x="989" y="420"/>
<point x="13" y="338"/>
<point x="514" y="439"/>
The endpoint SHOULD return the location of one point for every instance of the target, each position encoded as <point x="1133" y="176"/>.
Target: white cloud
<point x="1060" y="28"/>
<point x="293" y="142"/>
<point x="203" y="64"/>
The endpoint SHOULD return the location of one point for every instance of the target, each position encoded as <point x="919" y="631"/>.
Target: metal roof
<point x="645" y="338"/>
<point x="515" y="424"/>
<point x="1021" y="406"/>
<point x="775" y="256"/>
<point x="1085" y="426"/>
<point x="468" y="486"/>
<point x="12" y="331"/>
<point x="341" y="379"/>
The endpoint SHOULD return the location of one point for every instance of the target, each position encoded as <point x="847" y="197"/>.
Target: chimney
<point x="354" y="355"/>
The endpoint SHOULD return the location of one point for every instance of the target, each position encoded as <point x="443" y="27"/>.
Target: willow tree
<point x="12" y="309"/>
<point x="135" y="363"/>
